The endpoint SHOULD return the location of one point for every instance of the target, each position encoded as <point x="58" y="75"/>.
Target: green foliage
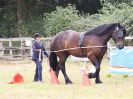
<point x="120" y="13"/>
<point x="68" y="18"/>
<point x="109" y="75"/>
<point x="125" y="76"/>
<point x="7" y="29"/>
<point x="8" y="20"/>
<point x="29" y="27"/>
<point x="109" y="14"/>
<point x="117" y="2"/>
<point x="60" y="19"/>
<point x="29" y="11"/>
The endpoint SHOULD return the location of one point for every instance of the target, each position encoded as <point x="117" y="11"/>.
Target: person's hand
<point x="38" y="50"/>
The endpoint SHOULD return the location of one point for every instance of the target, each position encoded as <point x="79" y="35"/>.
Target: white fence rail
<point x="19" y="47"/>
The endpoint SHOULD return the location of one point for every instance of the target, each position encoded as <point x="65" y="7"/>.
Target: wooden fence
<point x="18" y="48"/>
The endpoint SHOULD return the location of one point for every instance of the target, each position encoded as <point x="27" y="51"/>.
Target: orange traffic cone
<point x="17" y="79"/>
<point x="85" y="80"/>
<point x="53" y="79"/>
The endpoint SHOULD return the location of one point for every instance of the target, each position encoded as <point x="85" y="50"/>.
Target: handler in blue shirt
<point x="37" y="57"/>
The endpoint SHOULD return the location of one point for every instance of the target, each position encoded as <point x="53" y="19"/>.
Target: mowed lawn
<point x="115" y="87"/>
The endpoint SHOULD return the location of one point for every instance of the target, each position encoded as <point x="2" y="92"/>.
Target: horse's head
<point x="118" y="35"/>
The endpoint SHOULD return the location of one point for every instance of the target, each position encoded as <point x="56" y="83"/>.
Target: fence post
<point x="31" y="41"/>
<point x="1" y="50"/>
<point x="22" y="48"/>
<point x="10" y="45"/>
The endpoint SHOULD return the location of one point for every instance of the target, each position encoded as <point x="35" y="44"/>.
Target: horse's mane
<point x="100" y="30"/>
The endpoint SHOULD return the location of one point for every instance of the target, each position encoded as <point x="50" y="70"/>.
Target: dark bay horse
<point x="94" y="46"/>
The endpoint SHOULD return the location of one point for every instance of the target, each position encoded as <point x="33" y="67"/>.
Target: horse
<point x="94" y="46"/>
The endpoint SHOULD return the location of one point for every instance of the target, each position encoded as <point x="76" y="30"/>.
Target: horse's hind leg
<point x="62" y="60"/>
<point x="67" y="80"/>
<point x="58" y="68"/>
<point x="57" y="73"/>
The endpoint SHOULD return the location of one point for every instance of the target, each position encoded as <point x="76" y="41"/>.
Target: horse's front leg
<point x="67" y="80"/>
<point x="98" y="71"/>
<point x="96" y="75"/>
<point x="98" y="81"/>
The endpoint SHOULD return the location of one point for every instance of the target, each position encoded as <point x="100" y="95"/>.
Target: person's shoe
<point x="41" y="81"/>
<point x="34" y="81"/>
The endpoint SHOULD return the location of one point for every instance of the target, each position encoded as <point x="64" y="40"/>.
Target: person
<point x="37" y="57"/>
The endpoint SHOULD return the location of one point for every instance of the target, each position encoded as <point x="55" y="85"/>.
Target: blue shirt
<point x="35" y="49"/>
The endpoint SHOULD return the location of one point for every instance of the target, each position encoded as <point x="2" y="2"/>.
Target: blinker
<point x="120" y="33"/>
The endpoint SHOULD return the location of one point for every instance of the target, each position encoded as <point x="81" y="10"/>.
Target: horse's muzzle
<point x="120" y="46"/>
<point x="120" y="43"/>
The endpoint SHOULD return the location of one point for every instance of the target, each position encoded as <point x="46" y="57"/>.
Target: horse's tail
<point x="53" y="61"/>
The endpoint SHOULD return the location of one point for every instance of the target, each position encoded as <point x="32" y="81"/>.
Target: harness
<point x="81" y="42"/>
<point x="81" y="39"/>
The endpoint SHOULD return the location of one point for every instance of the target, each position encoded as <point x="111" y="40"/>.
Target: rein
<point x="78" y="48"/>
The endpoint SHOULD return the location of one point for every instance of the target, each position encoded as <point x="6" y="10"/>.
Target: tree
<point x="24" y="17"/>
<point x="60" y="19"/>
<point x="84" y="6"/>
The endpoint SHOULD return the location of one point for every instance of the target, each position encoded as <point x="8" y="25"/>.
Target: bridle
<point x="118" y="33"/>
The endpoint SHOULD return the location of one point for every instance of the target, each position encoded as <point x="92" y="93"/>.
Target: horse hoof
<point x="69" y="82"/>
<point x="98" y="82"/>
<point x="91" y="75"/>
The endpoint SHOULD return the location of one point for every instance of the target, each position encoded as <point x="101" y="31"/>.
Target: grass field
<point x="115" y="87"/>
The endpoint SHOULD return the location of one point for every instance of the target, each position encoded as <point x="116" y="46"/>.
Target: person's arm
<point x="45" y="51"/>
<point x="35" y="48"/>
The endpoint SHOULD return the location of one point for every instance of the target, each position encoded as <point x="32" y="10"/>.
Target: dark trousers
<point x="38" y="71"/>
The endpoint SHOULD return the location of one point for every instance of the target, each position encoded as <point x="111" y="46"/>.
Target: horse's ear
<point x="124" y="28"/>
<point x="118" y="24"/>
<point x="125" y="32"/>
